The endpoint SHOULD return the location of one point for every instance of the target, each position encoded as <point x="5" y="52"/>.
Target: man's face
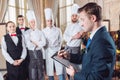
<point x="11" y="28"/>
<point x="86" y="21"/>
<point x="32" y="24"/>
<point x="49" y="23"/>
<point x="20" y="20"/>
<point x="74" y="18"/>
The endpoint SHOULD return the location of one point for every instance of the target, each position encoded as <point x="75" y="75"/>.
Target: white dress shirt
<point x="70" y="31"/>
<point x="53" y="36"/>
<point x="22" y="30"/>
<point x="6" y="54"/>
<point x="37" y="36"/>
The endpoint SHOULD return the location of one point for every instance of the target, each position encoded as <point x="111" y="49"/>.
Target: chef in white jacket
<point x="72" y="35"/>
<point x="35" y="41"/>
<point x="54" y="38"/>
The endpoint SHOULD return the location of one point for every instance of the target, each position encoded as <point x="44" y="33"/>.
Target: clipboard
<point x="63" y="61"/>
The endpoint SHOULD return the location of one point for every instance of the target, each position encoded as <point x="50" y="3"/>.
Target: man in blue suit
<point x="99" y="58"/>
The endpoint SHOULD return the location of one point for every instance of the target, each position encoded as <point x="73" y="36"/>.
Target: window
<point x="10" y="14"/>
<point x="69" y="4"/>
<point x="16" y="7"/>
<point x="65" y="13"/>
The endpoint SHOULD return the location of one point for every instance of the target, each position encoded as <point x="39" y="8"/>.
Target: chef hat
<point x="48" y="14"/>
<point x="75" y="8"/>
<point x="30" y="15"/>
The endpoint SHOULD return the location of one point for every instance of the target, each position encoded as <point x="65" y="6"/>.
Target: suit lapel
<point x="26" y="28"/>
<point x="96" y="36"/>
<point x="18" y="30"/>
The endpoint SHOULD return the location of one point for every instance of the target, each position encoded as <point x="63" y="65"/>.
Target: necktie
<point x="13" y="35"/>
<point x="88" y="43"/>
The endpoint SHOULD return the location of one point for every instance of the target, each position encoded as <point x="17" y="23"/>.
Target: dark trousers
<point x="27" y="60"/>
<point x="16" y="72"/>
<point x="36" y="65"/>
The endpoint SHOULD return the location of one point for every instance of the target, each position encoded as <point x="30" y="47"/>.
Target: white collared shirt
<point x="23" y="30"/>
<point x="93" y="33"/>
<point x="53" y="36"/>
<point x="70" y="31"/>
<point x="14" y="38"/>
<point x="6" y="54"/>
<point x="36" y="36"/>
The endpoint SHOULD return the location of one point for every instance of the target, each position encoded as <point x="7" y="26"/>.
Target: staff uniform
<point x="36" y="59"/>
<point x="73" y="46"/>
<point x="13" y="48"/>
<point x="54" y="39"/>
<point x="21" y="30"/>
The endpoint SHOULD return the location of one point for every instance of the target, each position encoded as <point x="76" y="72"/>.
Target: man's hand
<point x="63" y="54"/>
<point x="70" y="71"/>
<point x="78" y="35"/>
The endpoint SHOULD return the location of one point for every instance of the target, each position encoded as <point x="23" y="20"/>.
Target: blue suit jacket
<point x="98" y="61"/>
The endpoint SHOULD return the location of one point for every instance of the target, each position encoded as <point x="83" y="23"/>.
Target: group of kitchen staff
<point x="25" y="49"/>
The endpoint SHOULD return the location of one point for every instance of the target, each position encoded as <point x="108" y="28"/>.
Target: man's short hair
<point x="19" y="16"/>
<point x="92" y="9"/>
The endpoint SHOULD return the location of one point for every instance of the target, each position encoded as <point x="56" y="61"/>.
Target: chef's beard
<point x="74" y="21"/>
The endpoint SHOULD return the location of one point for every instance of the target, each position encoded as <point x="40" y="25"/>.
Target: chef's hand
<point x="78" y="35"/>
<point x="34" y="43"/>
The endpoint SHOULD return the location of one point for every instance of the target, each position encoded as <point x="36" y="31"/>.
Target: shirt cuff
<point x="11" y="62"/>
